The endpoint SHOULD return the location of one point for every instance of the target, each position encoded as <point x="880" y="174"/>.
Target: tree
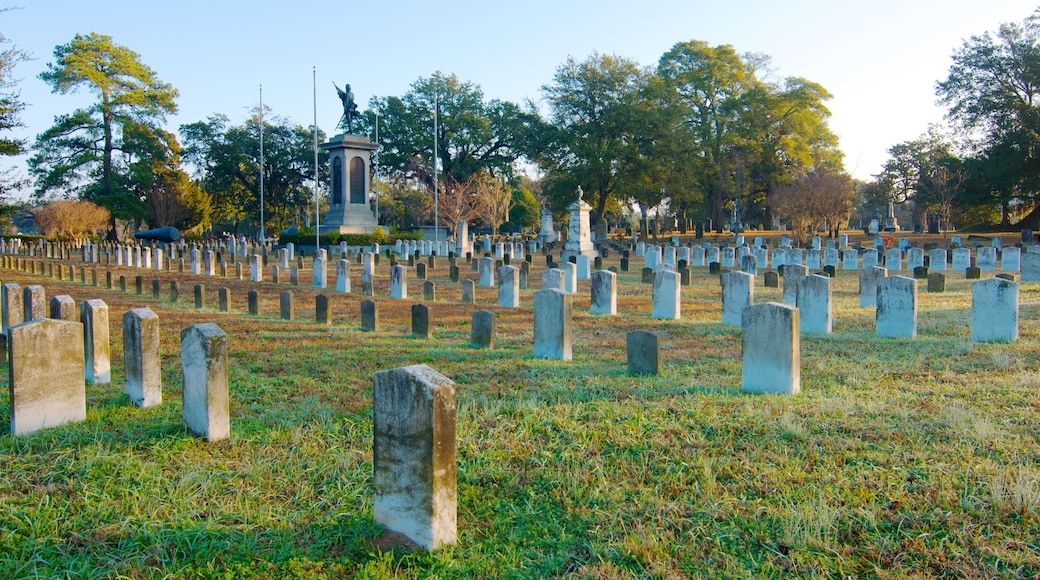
<point x="599" y="113"/>
<point x="456" y="202"/>
<point x="493" y="199"/>
<point x="819" y="199"/>
<point x="69" y="219"/>
<point x="78" y="154"/>
<point x="472" y="135"/>
<point x="11" y="107"/>
<point x="227" y="159"/>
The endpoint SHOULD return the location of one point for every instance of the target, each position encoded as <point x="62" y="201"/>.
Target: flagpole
<point x="317" y="218"/>
<point x="436" y="217"/>
<point x="262" y="165"/>
<point x="375" y="167"/>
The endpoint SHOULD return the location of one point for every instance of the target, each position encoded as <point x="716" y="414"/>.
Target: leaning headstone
<point x="414" y="456"/>
<point x="12" y="308"/>
<point x="63" y="307"/>
<point x="868" y="279"/>
<point x="815" y="305"/>
<point x="142" y="380"/>
<point x="896" y="315"/>
<point x="666" y="301"/>
<point x="97" y="363"/>
<point x="936" y="282"/>
<point x="994" y="311"/>
<point x="483" y="329"/>
<point x="286" y="306"/>
<point x="738" y="292"/>
<point x="770" y="349"/>
<point x="644" y="353"/>
<point x="45" y="374"/>
<point x="369" y="316"/>
<point x="603" y="287"/>
<point x="35" y="302"/>
<point x="552" y="324"/>
<point x="204" y="369"/>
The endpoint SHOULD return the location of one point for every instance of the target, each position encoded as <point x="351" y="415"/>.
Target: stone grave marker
<point x="422" y="325"/>
<point x="34" y="299"/>
<point x="994" y="310"/>
<point x="896" y="315"/>
<point x="644" y="353"/>
<point x="483" y="329"/>
<point x="552" y="324"/>
<point x="603" y="287"/>
<point x="666" y="303"/>
<point x="97" y="364"/>
<point x="936" y="282"/>
<point x="398" y="282"/>
<point x="738" y="292"/>
<point x="509" y="287"/>
<point x="204" y="368"/>
<point x="63" y="307"/>
<point x="142" y="380"/>
<point x="286" y="306"/>
<point x="770" y="348"/>
<point x="45" y="373"/>
<point x="369" y="316"/>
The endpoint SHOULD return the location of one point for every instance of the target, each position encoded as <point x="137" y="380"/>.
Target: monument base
<point x="361" y="229"/>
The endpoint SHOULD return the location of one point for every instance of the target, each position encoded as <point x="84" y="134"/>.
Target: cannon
<point x="166" y="234"/>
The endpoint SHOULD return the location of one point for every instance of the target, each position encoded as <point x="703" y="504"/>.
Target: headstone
<point x="398" y="282"/>
<point x="322" y="310"/>
<point x="644" y="353"/>
<point x="286" y="306"/>
<point x="97" y="362"/>
<point x="937" y="260"/>
<point x="896" y="315"/>
<point x="342" y="276"/>
<point x="45" y="375"/>
<point x="893" y="259"/>
<point x="552" y="324"/>
<point x="770" y="347"/>
<point x="972" y="273"/>
<point x="509" y="287"/>
<point x="570" y="277"/>
<point x="414" y="456"/>
<point x="34" y="299"/>
<point x="63" y="307"/>
<point x="987" y="258"/>
<point x="1011" y="259"/>
<point x="961" y="259"/>
<point x="467" y="292"/>
<point x="666" y="303"/>
<point x="793" y="273"/>
<point x="13" y="308"/>
<point x="603" y="287"/>
<point x="142" y="370"/>
<point x="936" y="282"/>
<point x="994" y="311"/>
<point x="256" y="273"/>
<point x="320" y="272"/>
<point x="920" y="273"/>
<point x="1029" y="269"/>
<point x="815" y="304"/>
<point x="253" y="298"/>
<point x="772" y="279"/>
<point x="204" y="369"/>
<point x="422" y="325"/>
<point x="868" y="278"/>
<point x="483" y="329"/>
<point x="486" y="272"/>
<point x="738" y="292"/>
<point x="369" y="316"/>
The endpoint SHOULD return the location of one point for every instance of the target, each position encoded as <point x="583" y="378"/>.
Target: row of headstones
<point x="987" y="258"/>
<point x="52" y="358"/>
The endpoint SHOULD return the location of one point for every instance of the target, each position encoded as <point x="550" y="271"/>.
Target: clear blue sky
<point x="880" y="59"/>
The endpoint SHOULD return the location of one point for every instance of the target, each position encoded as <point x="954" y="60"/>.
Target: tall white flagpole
<point x="262" y="164"/>
<point x="375" y="167"/>
<point x="436" y="217"/>
<point x="317" y="218"/>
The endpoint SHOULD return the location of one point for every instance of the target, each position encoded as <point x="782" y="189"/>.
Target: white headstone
<point x="552" y="324"/>
<point x="738" y="292"/>
<point x="666" y="299"/>
<point x="994" y="310"/>
<point x="815" y="304"/>
<point x="604" y="292"/>
<point x="770" y="348"/>
<point x="204" y="369"/>
<point x="896" y="315"/>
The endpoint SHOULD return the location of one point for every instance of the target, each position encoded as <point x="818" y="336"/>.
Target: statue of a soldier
<point x="350" y="112"/>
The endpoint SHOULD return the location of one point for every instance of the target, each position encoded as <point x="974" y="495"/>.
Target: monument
<point x="891" y="223"/>
<point x="579" y="241"/>
<point x="350" y="210"/>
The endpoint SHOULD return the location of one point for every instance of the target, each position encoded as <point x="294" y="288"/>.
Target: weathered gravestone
<point x="13" y="309"/>
<point x="770" y="347"/>
<point x="97" y="363"/>
<point x="322" y="310"/>
<point x="286" y="305"/>
<point x="896" y="315"/>
<point x="200" y="296"/>
<point x="603" y="287"/>
<point x="483" y="329"/>
<point x="414" y="454"/>
<point x="644" y="353"/>
<point x="738" y="292"/>
<point x="552" y="324"/>
<point x="369" y="316"/>
<point x="429" y="291"/>
<point x="467" y="291"/>
<point x="666" y="296"/>
<point x="936" y="282"/>
<point x="342" y="276"/>
<point x="793" y="274"/>
<point x="509" y="287"/>
<point x="253" y="300"/>
<point x="815" y="304"/>
<point x="204" y="370"/>
<point x="994" y="310"/>
<point x="772" y="279"/>
<point x="63" y="307"/>
<point x="398" y="282"/>
<point x="142" y="380"/>
<point x="422" y="325"/>
<point x="972" y="273"/>
<point x="45" y="373"/>
<point x="34" y="299"/>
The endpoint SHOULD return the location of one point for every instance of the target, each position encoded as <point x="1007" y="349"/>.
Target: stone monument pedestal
<point x="350" y="211"/>
<point x="579" y="242"/>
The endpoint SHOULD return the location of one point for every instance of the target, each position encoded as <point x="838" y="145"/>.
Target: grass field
<point x="900" y="458"/>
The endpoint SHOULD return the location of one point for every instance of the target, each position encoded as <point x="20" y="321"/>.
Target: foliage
<point x="227" y="158"/>
<point x="493" y="199"/>
<point x="68" y="219"/>
<point x="819" y="200"/>
<point x="88" y="152"/>
<point x="472" y="135"/>
<point x="523" y="210"/>
<point x="11" y="104"/>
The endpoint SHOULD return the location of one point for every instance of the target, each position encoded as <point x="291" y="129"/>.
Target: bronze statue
<point x="346" y="96"/>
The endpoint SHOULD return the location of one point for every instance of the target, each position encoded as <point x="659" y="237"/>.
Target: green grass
<point x="900" y="458"/>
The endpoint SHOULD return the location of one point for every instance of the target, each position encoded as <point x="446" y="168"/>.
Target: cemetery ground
<point x="899" y="458"/>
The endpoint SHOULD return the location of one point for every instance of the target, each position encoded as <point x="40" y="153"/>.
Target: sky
<point x="880" y="59"/>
